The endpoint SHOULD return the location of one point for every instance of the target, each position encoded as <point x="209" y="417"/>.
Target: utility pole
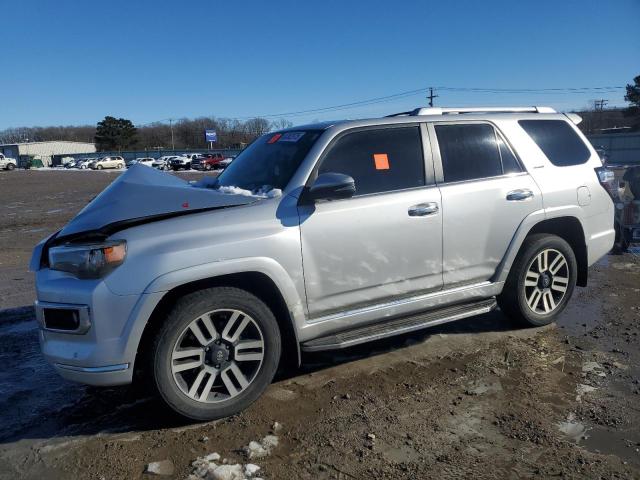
<point x="600" y="104"/>
<point x="173" y="146"/>
<point x="431" y="96"/>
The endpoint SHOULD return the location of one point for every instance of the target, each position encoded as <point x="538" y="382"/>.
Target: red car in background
<point x="207" y="161"/>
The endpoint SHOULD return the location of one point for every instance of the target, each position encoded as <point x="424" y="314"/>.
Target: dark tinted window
<point x="559" y="142"/>
<point x="468" y="151"/>
<point x="509" y="162"/>
<point x="379" y="160"/>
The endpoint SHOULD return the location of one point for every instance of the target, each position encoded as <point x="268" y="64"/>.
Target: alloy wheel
<point x="546" y="281"/>
<point x="217" y="356"/>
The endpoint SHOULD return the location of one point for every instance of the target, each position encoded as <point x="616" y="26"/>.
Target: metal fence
<point x="621" y="148"/>
<point x="152" y="153"/>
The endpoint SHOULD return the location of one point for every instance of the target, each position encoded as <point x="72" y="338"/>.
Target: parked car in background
<point x="83" y="163"/>
<point x="161" y="163"/>
<point x="181" y="162"/>
<point x="107" y="162"/>
<point x="227" y="161"/>
<point x="148" y="161"/>
<point x="66" y="161"/>
<point x="7" y="163"/>
<point x="321" y="238"/>
<point x="208" y="161"/>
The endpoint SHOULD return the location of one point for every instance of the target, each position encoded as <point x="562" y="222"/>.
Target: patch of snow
<point x="164" y="467"/>
<point x="573" y="429"/>
<point x="263" y="192"/>
<point x="227" y="472"/>
<point x="256" y="450"/>
<point x="235" y="191"/>
<point x="251" y="469"/>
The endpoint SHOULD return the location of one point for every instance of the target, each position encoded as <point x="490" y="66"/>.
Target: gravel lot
<point x="476" y="399"/>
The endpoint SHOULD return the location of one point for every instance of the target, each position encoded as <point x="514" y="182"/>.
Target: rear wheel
<point x="216" y="353"/>
<point x="11" y="166"/>
<point x="540" y="282"/>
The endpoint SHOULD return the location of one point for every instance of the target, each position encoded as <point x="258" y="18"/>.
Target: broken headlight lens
<point x="88" y="260"/>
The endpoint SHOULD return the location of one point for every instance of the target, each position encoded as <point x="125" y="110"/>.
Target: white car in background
<point x="7" y="163"/>
<point x="83" y="163"/>
<point x="162" y="163"/>
<point x="107" y="162"/>
<point x="148" y="161"/>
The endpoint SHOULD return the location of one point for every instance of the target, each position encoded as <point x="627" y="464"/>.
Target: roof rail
<point x="456" y="110"/>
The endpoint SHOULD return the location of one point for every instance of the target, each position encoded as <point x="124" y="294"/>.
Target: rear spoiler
<point x="574" y="117"/>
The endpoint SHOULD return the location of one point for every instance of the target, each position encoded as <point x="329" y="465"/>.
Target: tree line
<point x="121" y="134"/>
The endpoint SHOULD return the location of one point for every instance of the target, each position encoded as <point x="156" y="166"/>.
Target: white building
<point x="44" y="151"/>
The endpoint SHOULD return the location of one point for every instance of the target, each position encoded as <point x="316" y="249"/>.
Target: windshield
<point x="270" y="161"/>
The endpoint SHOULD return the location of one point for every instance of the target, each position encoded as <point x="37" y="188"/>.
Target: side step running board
<point x="388" y="328"/>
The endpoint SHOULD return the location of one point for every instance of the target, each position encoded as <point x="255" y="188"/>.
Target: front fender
<point x="264" y="265"/>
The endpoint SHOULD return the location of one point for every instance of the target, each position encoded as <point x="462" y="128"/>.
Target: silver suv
<point x="321" y="237"/>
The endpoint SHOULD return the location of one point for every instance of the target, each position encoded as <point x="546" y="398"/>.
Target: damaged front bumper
<point x="100" y="351"/>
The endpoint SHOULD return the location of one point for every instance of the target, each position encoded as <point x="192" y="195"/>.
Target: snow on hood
<point x="143" y="192"/>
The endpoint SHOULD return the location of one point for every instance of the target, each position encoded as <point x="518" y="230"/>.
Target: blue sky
<point x="73" y="62"/>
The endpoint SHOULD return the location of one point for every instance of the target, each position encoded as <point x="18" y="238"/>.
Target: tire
<point x="10" y="166"/>
<point x="180" y="359"/>
<point x="207" y="166"/>
<point x="549" y="299"/>
<point x="99" y="167"/>
<point x="118" y="166"/>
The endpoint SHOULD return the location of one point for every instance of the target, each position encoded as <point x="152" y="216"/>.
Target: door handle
<point x="423" y="209"/>
<point x="519" y="195"/>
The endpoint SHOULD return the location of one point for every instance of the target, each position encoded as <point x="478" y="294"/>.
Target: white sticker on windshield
<point x="291" y="137"/>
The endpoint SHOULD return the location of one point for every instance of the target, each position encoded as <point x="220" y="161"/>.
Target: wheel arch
<point x="567" y="227"/>
<point x="255" y="282"/>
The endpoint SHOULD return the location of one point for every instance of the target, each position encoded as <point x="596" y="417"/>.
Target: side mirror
<point x="332" y="186"/>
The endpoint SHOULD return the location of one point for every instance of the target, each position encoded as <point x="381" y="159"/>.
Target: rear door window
<point x="558" y="141"/>
<point x="473" y="151"/>
<point x="378" y="159"/>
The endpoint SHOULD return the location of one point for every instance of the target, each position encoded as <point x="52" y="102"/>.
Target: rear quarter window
<point x="558" y="141"/>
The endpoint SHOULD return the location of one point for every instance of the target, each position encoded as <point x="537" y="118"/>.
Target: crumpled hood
<point x="143" y="193"/>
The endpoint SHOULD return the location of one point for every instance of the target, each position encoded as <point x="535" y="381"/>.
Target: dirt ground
<point x="475" y="399"/>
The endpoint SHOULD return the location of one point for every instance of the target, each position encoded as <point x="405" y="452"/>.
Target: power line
<point x="421" y="91"/>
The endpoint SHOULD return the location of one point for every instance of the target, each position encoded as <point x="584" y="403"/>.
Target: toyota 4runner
<point x="321" y="237"/>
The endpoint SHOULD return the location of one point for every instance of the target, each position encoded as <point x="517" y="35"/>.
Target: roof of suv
<point x="439" y="113"/>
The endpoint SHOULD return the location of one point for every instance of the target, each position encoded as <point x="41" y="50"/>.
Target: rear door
<point x="385" y="242"/>
<point x="486" y="194"/>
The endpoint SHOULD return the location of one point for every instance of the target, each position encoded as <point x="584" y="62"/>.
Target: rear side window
<point x="379" y="160"/>
<point x="473" y="151"/>
<point x="559" y="142"/>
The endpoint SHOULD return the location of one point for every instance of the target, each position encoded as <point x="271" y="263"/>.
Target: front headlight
<point x="88" y="260"/>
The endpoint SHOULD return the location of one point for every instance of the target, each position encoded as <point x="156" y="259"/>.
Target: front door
<point x="385" y="242"/>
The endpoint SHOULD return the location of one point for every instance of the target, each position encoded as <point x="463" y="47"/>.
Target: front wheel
<point x="99" y="167"/>
<point x="216" y="353"/>
<point x="540" y="282"/>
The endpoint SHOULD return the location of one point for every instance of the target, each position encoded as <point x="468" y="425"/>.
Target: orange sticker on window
<point x="381" y="160"/>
